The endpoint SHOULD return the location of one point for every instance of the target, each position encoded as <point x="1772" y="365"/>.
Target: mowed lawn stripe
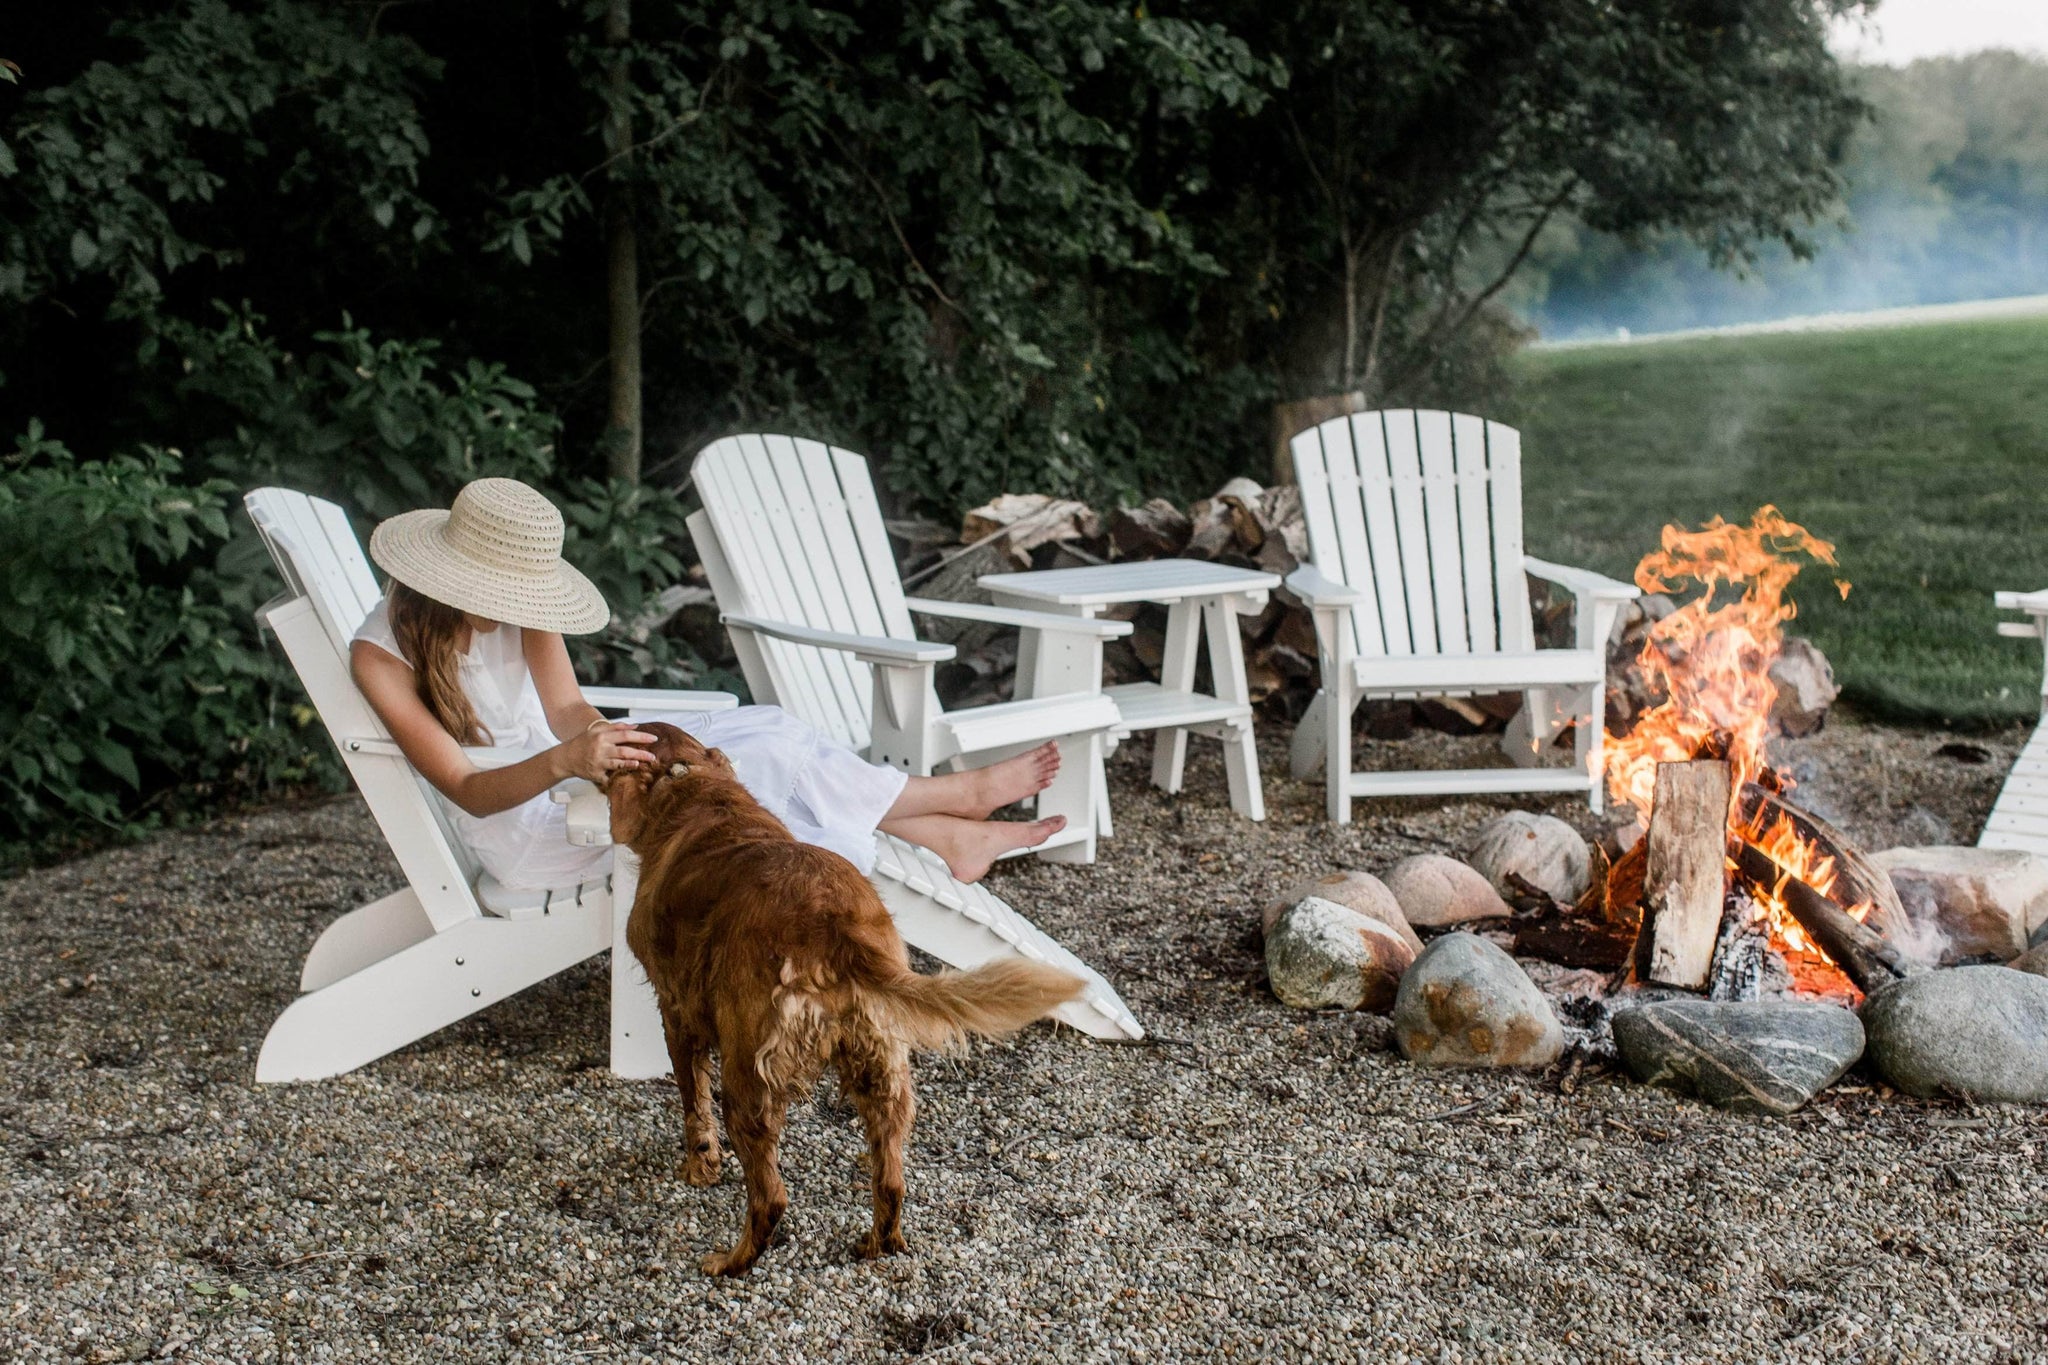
<point x="1922" y="452"/>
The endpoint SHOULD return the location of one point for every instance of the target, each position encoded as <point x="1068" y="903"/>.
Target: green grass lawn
<point x="1921" y="452"/>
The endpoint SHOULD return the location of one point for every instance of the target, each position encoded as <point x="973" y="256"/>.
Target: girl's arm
<point x="387" y="683"/>
<point x="554" y="677"/>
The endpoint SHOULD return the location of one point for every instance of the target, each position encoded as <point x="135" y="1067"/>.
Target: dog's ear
<point x="718" y="756"/>
<point x="628" y="797"/>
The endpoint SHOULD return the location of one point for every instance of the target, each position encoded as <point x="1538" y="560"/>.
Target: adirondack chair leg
<point x="364" y="936"/>
<point x="639" y="1046"/>
<point x="1305" y="753"/>
<point x="1074" y="794"/>
<point x="1337" y="752"/>
<point x="424" y="988"/>
<point x="1589" y="747"/>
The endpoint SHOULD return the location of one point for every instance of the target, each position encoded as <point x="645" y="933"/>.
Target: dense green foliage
<point x="362" y="250"/>
<point x="1947" y="198"/>
<point x="1917" y="451"/>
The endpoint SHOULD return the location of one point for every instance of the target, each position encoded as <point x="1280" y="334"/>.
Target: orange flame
<point x="1711" y="658"/>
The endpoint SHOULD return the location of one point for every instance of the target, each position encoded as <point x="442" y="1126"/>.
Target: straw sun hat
<point x="496" y="553"/>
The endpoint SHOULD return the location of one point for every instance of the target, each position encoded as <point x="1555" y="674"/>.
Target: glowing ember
<point x="1711" y="658"/>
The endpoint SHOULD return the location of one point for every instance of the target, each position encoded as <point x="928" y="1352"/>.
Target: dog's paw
<point x="875" y="1245"/>
<point x="701" y="1168"/>
<point x="725" y="1263"/>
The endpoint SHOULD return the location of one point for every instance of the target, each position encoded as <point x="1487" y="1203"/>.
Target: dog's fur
<point x="783" y="956"/>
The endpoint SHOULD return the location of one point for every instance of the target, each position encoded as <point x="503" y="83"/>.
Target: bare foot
<point x="971" y="853"/>
<point x="1013" y="779"/>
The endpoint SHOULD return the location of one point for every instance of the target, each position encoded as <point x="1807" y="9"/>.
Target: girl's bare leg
<point x="970" y="847"/>
<point x="978" y="791"/>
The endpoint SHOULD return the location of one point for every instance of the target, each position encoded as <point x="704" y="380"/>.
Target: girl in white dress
<point x="466" y="650"/>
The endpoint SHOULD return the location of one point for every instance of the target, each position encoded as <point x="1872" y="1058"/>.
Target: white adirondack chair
<point x="2019" y="818"/>
<point x="1419" y="587"/>
<point x="793" y="541"/>
<point x="452" y="942"/>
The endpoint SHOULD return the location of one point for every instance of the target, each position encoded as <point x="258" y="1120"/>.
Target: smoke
<point x="1920" y="940"/>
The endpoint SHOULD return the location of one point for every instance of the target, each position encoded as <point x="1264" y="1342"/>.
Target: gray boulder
<point x="1541" y="849"/>
<point x="1969" y="902"/>
<point x="1466" y="1003"/>
<point x="1321" y="954"/>
<point x="1436" y="892"/>
<point x="1976" y="1031"/>
<point x="1753" y="1057"/>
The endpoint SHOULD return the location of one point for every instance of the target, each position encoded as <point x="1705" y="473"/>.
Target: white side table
<point x="1202" y="601"/>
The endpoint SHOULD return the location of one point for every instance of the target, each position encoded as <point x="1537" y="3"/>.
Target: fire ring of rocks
<point x="1734" y="947"/>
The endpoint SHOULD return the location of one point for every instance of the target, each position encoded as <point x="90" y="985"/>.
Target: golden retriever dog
<point x="782" y="956"/>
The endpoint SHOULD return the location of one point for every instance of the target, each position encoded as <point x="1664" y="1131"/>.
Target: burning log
<point x="1598" y="932"/>
<point x="1860" y="951"/>
<point x="1857" y="881"/>
<point x="1684" y="874"/>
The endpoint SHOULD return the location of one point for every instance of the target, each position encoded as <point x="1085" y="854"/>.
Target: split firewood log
<point x="1155" y="530"/>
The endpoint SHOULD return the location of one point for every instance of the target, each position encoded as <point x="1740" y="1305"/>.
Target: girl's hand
<point x="604" y="749"/>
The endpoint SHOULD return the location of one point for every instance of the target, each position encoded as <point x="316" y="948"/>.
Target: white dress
<point x="825" y="793"/>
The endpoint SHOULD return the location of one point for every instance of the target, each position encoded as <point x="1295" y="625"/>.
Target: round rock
<point x="1976" y="1031"/>
<point x="1435" y="892"/>
<point x="1970" y="902"/>
<point x="1360" y="891"/>
<point x="1754" y="1057"/>
<point x="1541" y="849"/>
<point x="1467" y="1003"/>
<point x="1321" y="954"/>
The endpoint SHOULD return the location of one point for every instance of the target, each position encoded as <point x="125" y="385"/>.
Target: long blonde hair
<point x="427" y="631"/>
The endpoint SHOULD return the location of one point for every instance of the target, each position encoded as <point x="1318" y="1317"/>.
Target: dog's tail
<point x="997" y="998"/>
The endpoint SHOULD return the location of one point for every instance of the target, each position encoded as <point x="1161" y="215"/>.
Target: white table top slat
<point x="1150" y="580"/>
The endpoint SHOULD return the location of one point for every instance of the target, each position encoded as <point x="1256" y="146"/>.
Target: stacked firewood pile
<point x="1249" y="526"/>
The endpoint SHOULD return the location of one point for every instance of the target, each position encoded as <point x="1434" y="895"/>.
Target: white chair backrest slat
<point x="1404" y="465"/>
<point x="1475" y="531"/>
<point x="1504" y="462"/>
<point x="1421" y="511"/>
<point x="1446" y="550"/>
<point x="858" y="484"/>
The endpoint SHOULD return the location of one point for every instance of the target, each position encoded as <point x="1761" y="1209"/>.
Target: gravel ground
<point x="1252" y="1183"/>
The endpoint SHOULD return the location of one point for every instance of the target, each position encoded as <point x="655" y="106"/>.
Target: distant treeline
<point x="1947" y="200"/>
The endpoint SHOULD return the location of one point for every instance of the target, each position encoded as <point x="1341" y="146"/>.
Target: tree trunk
<point x="1290" y="419"/>
<point x="622" y="255"/>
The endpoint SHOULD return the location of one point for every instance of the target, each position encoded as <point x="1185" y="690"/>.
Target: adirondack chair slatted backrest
<point x="802" y="535"/>
<point x="316" y="550"/>
<point x="1421" y="512"/>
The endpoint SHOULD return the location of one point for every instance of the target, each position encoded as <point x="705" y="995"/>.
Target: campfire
<point x="1733" y="890"/>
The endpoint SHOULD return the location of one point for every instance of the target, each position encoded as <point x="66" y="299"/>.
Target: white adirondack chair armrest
<point x="1583" y="582"/>
<point x="1020" y="618"/>
<point x="2034" y="604"/>
<point x="1309" y="584"/>
<point x="657" y="699"/>
<point x="872" y="649"/>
